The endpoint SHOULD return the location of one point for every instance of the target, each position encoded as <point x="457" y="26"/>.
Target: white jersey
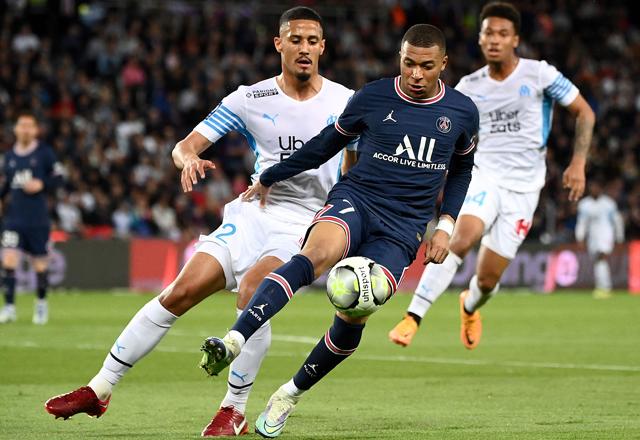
<point x="599" y="223"/>
<point x="515" y="120"/>
<point x="276" y="125"/>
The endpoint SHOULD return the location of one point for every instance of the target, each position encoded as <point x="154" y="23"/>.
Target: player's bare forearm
<point x="574" y="176"/>
<point x="585" y="120"/>
<point x="189" y="148"/>
<point x="185" y="157"/>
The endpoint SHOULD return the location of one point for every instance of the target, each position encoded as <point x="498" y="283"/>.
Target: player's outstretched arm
<point x="185" y="157"/>
<point x="314" y="153"/>
<point x="573" y="177"/>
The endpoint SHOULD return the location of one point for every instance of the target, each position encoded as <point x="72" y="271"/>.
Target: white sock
<point x="476" y="298"/>
<point x="237" y="336"/>
<point x="291" y="389"/>
<point x="602" y="275"/>
<point x="244" y="368"/>
<point x="434" y="281"/>
<point x="139" y="337"/>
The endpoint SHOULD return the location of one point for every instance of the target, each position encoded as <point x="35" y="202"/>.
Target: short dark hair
<point x="425" y="35"/>
<point x="26" y="114"/>
<point x="299" y="13"/>
<point x="502" y="10"/>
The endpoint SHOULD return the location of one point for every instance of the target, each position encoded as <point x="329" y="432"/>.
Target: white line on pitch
<point x="357" y="356"/>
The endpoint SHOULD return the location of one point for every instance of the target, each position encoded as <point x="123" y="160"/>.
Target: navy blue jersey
<point x="408" y="149"/>
<point x="22" y="209"/>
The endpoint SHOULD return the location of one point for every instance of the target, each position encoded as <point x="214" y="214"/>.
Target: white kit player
<point x="599" y="226"/>
<point x="277" y="116"/>
<point x="515" y="99"/>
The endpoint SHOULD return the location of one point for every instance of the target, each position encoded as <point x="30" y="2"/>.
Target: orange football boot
<point x="470" y="325"/>
<point x="404" y="331"/>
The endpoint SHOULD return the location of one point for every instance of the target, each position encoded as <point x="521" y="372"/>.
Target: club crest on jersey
<point x="443" y="124"/>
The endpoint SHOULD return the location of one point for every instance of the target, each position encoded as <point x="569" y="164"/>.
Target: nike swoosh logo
<point x="271" y="429"/>
<point x="238" y="429"/>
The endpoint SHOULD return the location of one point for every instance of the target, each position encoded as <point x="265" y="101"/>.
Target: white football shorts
<point x="507" y="215"/>
<point x="603" y="244"/>
<point x="249" y="233"/>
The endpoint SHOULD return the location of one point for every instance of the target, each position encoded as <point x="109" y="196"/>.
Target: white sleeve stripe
<point x="559" y="88"/>
<point x="232" y="115"/>
<point x="224" y="121"/>
<point x="221" y="131"/>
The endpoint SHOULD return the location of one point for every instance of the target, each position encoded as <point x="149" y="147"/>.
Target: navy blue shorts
<point x="367" y="237"/>
<point x="32" y="240"/>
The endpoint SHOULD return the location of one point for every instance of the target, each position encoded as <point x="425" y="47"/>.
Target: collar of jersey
<point x="425" y="101"/>
<point x="27" y="151"/>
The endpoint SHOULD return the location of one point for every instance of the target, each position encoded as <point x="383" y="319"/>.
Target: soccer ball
<point x="357" y="286"/>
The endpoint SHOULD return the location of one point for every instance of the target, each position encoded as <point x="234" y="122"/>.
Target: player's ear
<point x="277" y="42"/>
<point x="322" y="46"/>
<point x="516" y="41"/>
<point x="445" y="61"/>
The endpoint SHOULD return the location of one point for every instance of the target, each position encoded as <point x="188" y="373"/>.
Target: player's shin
<point x="435" y="279"/>
<point x="42" y="284"/>
<point x="602" y="275"/>
<point x="340" y="341"/>
<point x="245" y="367"/>
<point x="272" y="295"/>
<point x="9" y="281"/>
<point x="476" y="297"/>
<point x="139" y="337"/>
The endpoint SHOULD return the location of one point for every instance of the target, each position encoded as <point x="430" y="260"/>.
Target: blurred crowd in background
<point x="116" y="84"/>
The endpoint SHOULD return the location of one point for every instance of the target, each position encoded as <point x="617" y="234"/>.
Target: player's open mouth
<point x="303" y="62"/>
<point x="416" y="88"/>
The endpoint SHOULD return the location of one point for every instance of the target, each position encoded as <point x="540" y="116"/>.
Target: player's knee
<point x="488" y="281"/>
<point x="460" y="245"/>
<point x="248" y="287"/>
<point x="321" y="257"/>
<point x="178" y="297"/>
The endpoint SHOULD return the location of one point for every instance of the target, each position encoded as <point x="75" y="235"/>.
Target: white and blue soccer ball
<point x="357" y="286"/>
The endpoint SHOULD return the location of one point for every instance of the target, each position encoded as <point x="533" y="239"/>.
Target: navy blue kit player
<point x="416" y="136"/>
<point x="29" y="173"/>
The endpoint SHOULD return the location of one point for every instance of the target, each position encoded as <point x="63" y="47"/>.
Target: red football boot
<point x="227" y="421"/>
<point x="82" y="400"/>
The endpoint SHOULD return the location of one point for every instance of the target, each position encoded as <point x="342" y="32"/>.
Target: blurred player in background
<point x="30" y="172"/>
<point x="416" y="137"/>
<point x="277" y="116"/>
<point x="598" y="227"/>
<point x="515" y="98"/>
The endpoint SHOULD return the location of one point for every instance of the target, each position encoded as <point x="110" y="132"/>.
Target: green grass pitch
<point x="561" y="366"/>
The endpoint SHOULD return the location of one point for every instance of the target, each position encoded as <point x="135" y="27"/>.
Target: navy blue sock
<point x="10" y="286"/>
<point x="338" y="343"/>
<point x="43" y="284"/>
<point x="274" y="293"/>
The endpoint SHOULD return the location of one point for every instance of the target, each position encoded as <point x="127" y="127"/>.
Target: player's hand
<point x="33" y="186"/>
<point x="437" y="248"/>
<point x="574" y="179"/>
<point x="192" y="169"/>
<point x="256" y="190"/>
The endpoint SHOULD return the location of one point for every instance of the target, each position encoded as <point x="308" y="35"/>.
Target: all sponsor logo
<point x="406" y="154"/>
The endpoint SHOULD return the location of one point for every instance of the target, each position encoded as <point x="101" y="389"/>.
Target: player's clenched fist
<point x="437" y="248"/>
<point x="193" y="168"/>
